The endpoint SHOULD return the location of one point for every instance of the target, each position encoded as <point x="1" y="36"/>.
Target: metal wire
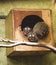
<point x="16" y="43"/>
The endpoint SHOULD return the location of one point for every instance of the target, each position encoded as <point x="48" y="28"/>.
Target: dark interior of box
<point x="30" y="21"/>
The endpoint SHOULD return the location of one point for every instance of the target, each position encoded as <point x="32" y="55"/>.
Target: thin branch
<point x="16" y="43"/>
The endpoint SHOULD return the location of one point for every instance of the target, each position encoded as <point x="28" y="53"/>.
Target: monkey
<point x="32" y="37"/>
<point x="40" y="31"/>
<point x="26" y="30"/>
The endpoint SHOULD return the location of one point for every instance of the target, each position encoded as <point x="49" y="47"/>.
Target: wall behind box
<point x="5" y="7"/>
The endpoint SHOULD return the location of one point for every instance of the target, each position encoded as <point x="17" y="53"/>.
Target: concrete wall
<point x="5" y="7"/>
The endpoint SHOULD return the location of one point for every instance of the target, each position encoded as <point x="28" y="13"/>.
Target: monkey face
<point x="26" y="30"/>
<point x="32" y="37"/>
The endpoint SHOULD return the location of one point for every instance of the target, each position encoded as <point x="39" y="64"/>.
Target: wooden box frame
<point x="14" y="32"/>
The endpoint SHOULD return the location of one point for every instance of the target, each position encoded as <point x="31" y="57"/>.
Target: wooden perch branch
<point x="16" y="43"/>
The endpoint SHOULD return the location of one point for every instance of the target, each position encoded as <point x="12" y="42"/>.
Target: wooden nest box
<point x="16" y="20"/>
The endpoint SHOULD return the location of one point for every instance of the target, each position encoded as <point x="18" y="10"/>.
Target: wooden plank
<point x="13" y="23"/>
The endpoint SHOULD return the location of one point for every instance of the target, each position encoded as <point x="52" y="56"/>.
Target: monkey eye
<point x="33" y="35"/>
<point x="30" y="35"/>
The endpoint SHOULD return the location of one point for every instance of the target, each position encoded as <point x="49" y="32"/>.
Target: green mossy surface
<point x="5" y="7"/>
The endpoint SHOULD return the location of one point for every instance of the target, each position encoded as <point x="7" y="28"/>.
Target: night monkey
<point x="26" y="30"/>
<point x="40" y="31"/>
<point x="30" y="34"/>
